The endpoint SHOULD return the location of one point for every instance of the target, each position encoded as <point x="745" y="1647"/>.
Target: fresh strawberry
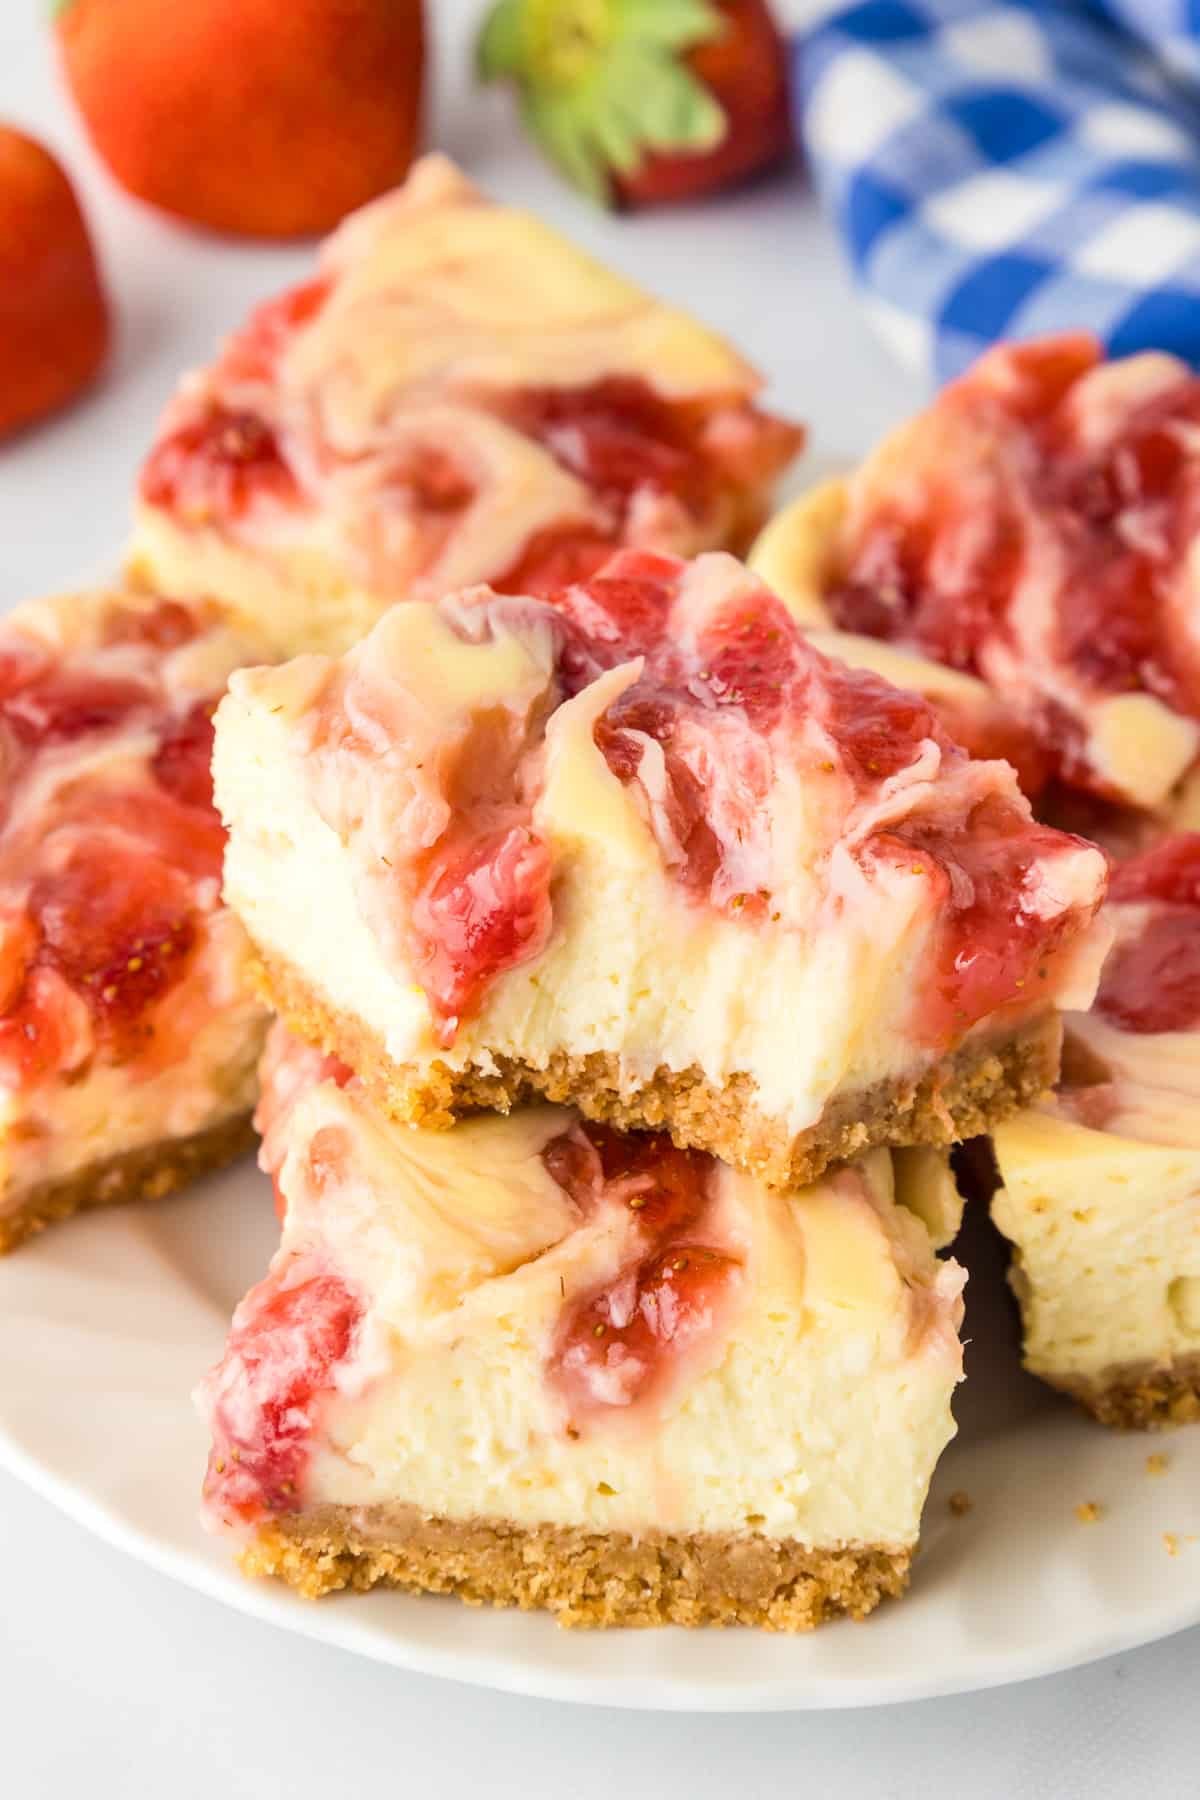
<point x="249" y="116"/>
<point x="53" y="316"/>
<point x="642" y="102"/>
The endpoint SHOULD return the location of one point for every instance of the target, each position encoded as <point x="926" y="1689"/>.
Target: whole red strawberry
<point x="271" y="118"/>
<point x="54" y="325"/>
<point x="641" y="102"/>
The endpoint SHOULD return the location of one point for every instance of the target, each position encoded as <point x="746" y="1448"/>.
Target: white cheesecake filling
<point x="435" y="282"/>
<point x="1105" y="1224"/>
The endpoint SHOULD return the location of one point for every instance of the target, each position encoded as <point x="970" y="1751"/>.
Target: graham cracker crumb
<point x="146" y="1173"/>
<point x="1088" y="1511"/>
<point x="583" y="1578"/>
<point x="1136" y="1396"/>
<point x="960" y="1503"/>
<point x="1156" y="1464"/>
<point x="1171" y="1540"/>
<point x="962" y="1096"/>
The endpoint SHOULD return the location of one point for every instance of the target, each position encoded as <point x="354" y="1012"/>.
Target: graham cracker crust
<point x="1139" y="1398"/>
<point x="962" y="1096"/>
<point x="146" y="1173"/>
<point x="583" y="1578"/>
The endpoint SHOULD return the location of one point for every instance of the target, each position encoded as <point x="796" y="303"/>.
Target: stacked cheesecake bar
<point x="532" y="1362"/>
<point x="603" y="928"/>
<point x="1029" y="543"/>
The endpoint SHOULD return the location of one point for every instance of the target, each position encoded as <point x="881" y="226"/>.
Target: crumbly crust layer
<point x="584" y="1578"/>
<point x="1140" y="1398"/>
<point x="146" y="1173"/>
<point x="962" y="1096"/>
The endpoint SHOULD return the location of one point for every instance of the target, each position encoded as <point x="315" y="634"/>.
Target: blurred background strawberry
<point x="271" y="118"/>
<point x="644" y="102"/>
<point x="54" y="324"/>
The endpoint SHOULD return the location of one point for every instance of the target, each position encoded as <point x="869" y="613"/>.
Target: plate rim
<point x="323" y="1622"/>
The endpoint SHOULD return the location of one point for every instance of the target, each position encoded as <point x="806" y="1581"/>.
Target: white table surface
<point x="112" y="1680"/>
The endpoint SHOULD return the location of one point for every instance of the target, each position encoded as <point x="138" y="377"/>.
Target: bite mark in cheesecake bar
<point x="644" y="848"/>
<point x="458" y="396"/>
<point x="958" y="1099"/>
<point x="128" y="1038"/>
<point x="1101" y="1184"/>
<point x="1035" y="530"/>
<point x="536" y="1363"/>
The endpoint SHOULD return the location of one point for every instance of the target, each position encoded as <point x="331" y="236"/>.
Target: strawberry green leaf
<point x="671" y="24"/>
<point x="603" y="82"/>
<point x="500" y="49"/>
<point x="615" y="128"/>
<point x="673" y="110"/>
<point x="568" y="141"/>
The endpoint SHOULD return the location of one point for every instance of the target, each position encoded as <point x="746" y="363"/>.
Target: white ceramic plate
<point x="106" y="1323"/>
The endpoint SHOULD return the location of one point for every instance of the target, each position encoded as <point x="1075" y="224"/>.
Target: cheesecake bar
<point x="1101" y="1184"/>
<point x="533" y="1362"/>
<point x="1035" y="530"/>
<point x="459" y="395"/>
<point x="128" y="1039"/>
<point x="640" y="847"/>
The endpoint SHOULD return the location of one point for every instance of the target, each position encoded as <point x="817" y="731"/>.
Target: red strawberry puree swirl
<point x="1151" y="980"/>
<point x="290" y="1336"/>
<point x="623" y="440"/>
<point x="729" y="704"/>
<point x="289" y="1067"/>
<point x="220" y="453"/>
<point x="103" y="856"/>
<point x="619" y="1345"/>
<point x="1043" y="479"/>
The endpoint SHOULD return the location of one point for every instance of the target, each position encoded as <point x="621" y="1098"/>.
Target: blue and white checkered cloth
<point x="1002" y="170"/>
